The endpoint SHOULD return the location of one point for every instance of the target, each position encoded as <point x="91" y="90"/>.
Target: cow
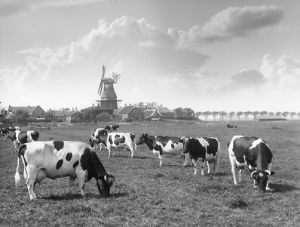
<point x="19" y="137"/>
<point x="160" y="144"/>
<point x="255" y="154"/>
<point x="98" y="138"/>
<point x="204" y="149"/>
<point x="56" y="159"/>
<point x="121" y="139"/>
<point x="231" y="126"/>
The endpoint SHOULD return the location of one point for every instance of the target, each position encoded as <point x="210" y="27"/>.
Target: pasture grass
<point x="145" y="194"/>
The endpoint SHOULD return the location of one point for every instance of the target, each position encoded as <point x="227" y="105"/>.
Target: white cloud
<point x="11" y="7"/>
<point x="231" y="23"/>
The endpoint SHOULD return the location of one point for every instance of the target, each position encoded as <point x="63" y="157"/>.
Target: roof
<point x="72" y="112"/>
<point x="29" y="109"/>
<point x="152" y="114"/>
<point x="126" y="109"/>
<point x="162" y="109"/>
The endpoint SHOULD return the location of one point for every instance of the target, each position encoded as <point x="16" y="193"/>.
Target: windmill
<point x="108" y="98"/>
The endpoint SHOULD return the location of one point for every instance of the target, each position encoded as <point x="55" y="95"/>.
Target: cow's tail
<point x="21" y="150"/>
<point x="218" y="156"/>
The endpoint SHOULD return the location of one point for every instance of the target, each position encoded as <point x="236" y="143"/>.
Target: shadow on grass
<point x="220" y="174"/>
<point x="280" y="188"/>
<point x="78" y="196"/>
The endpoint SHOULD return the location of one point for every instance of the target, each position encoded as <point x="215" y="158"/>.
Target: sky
<point x="231" y="55"/>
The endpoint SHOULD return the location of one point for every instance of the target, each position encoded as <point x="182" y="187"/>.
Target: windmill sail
<point x="101" y="81"/>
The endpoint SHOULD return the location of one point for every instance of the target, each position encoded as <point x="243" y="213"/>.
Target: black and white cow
<point x="253" y="153"/>
<point x="160" y="144"/>
<point x="121" y="139"/>
<point x="19" y="137"/>
<point x="231" y="126"/>
<point x="56" y="159"/>
<point x="204" y="149"/>
<point x="98" y="138"/>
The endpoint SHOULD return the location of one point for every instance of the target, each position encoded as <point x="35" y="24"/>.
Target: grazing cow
<point x="231" y="126"/>
<point x="19" y="137"/>
<point x="98" y="137"/>
<point x="160" y="144"/>
<point x="254" y="153"/>
<point x="56" y="159"/>
<point x="119" y="140"/>
<point x="111" y="128"/>
<point x="204" y="149"/>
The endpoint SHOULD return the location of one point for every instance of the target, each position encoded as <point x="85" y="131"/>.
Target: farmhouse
<point x="131" y="112"/>
<point x="33" y="111"/>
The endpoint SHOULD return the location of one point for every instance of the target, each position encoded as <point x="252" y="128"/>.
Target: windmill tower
<point x="108" y="98"/>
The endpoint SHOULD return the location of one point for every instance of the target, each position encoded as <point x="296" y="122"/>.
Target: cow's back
<point x="241" y="149"/>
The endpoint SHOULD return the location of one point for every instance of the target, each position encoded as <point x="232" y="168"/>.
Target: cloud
<point x="231" y="23"/>
<point x="132" y="47"/>
<point x="283" y="72"/>
<point x="12" y="7"/>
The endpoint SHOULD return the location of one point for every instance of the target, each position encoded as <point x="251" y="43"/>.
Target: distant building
<point x="131" y="113"/>
<point x="153" y="115"/>
<point x="33" y="111"/>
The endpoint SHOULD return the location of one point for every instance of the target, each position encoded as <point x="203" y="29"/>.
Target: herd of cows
<point x="55" y="159"/>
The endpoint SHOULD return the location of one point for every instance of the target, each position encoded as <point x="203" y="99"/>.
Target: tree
<point x="271" y="113"/>
<point x="292" y="114"/>
<point x="262" y="113"/>
<point x="231" y="114"/>
<point x="285" y="113"/>
<point x="239" y="114"/>
<point x="206" y="114"/>
<point x="214" y="114"/>
<point x="223" y="114"/>
<point x="21" y="116"/>
<point x="255" y="113"/>
<point x="278" y="113"/>
<point x="247" y="113"/>
<point x="77" y="117"/>
<point x="104" y="116"/>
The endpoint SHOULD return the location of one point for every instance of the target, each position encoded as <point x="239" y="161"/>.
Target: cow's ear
<point x="254" y="174"/>
<point x="109" y="178"/>
<point x="270" y="173"/>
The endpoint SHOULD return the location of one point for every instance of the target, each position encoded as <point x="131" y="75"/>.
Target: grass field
<point x="145" y="194"/>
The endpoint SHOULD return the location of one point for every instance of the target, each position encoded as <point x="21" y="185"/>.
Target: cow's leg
<point x="195" y="166"/>
<point x="70" y="184"/>
<point x="202" y="167"/>
<point x="109" y="150"/>
<point x="240" y="175"/>
<point x="208" y="167"/>
<point x="270" y="169"/>
<point x="131" y="147"/>
<point x="32" y="173"/>
<point x="81" y="178"/>
<point x="233" y="168"/>
<point x="160" y="159"/>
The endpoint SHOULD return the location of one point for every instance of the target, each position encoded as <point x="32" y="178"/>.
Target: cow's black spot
<point x="158" y="148"/>
<point x="59" y="163"/>
<point x="132" y="136"/>
<point x="35" y="135"/>
<point x="76" y="164"/>
<point x="58" y="145"/>
<point x="172" y="145"/>
<point x="22" y="150"/>
<point x="110" y="140"/>
<point x="69" y="156"/>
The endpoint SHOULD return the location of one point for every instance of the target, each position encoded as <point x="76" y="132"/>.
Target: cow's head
<point x="142" y="139"/>
<point x="105" y="184"/>
<point x="261" y="177"/>
<point x="4" y="132"/>
<point x="184" y="140"/>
